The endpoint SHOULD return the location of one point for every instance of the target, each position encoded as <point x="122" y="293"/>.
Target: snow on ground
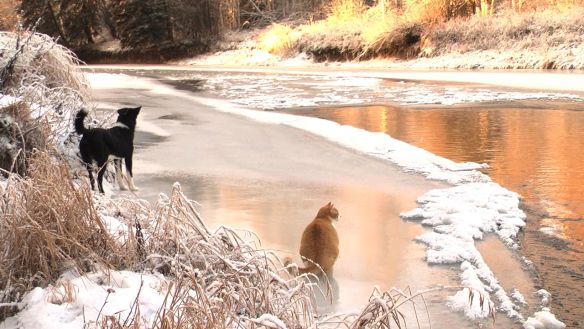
<point x="459" y="215"/>
<point x="79" y="301"/>
<point x="6" y="100"/>
<point x="543" y="320"/>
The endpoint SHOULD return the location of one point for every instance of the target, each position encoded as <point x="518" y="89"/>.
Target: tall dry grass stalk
<point x="278" y="40"/>
<point x="342" y="10"/>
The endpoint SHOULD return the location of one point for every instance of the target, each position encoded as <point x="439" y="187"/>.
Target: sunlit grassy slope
<point x="522" y="34"/>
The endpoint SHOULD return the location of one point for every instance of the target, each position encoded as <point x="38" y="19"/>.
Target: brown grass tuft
<point x="47" y="225"/>
<point x="278" y="40"/>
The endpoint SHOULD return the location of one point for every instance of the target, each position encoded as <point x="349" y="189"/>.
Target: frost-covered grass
<point x="20" y="134"/>
<point x="41" y="79"/>
<point x="51" y="224"/>
<point x="548" y="39"/>
<point x="35" y="67"/>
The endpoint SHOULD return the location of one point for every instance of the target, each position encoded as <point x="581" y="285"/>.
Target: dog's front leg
<point x="102" y="166"/>
<point x="119" y="174"/>
<point x="130" y="176"/>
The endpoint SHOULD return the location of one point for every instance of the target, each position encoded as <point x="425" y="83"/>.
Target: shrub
<point x="44" y="86"/>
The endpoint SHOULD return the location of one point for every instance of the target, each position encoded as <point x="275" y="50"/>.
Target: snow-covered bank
<point x="501" y="216"/>
<point x="74" y="301"/>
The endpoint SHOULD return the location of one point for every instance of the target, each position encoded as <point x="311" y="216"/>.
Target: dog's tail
<point x="79" y="126"/>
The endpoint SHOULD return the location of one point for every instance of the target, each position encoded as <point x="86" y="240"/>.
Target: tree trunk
<point x="62" y="36"/>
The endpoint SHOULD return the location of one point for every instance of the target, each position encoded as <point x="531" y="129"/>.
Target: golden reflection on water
<point x="533" y="152"/>
<point x="376" y="246"/>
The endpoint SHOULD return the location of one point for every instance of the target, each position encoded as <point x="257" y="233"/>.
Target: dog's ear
<point x="122" y="111"/>
<point x="137" y="109"/>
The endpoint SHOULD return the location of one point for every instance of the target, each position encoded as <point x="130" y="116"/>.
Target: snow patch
<point x="77" y="300"/>
<point x="543" y="319"/>
<point x="6" y="100"/>
<point x="518" y="297"/>
<point x="270" y="321"/>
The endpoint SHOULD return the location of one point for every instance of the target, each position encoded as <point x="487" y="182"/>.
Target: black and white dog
<point x="100" y="145"/>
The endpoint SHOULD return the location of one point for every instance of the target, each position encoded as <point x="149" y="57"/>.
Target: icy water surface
<point x="271" y="180"/>
<point x="536" y="152"/>
<point x="531" y="140"/>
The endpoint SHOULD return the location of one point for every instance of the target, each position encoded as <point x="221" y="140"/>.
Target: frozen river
<point x="271" y="179"/>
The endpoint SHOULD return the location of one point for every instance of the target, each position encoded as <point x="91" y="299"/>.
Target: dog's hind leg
<point x="119" y="174"/>
<point x="90" y="172"/>
<point x="88" y="165"/>
<point x="130" y="176"/>
<point x="102" y="167"/>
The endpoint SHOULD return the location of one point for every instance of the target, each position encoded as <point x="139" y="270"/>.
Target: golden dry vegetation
<point x="426" y="28"/>
<point x="8" y="15"/>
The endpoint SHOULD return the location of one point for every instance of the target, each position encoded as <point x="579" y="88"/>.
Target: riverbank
<point x="539" y="40"/>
